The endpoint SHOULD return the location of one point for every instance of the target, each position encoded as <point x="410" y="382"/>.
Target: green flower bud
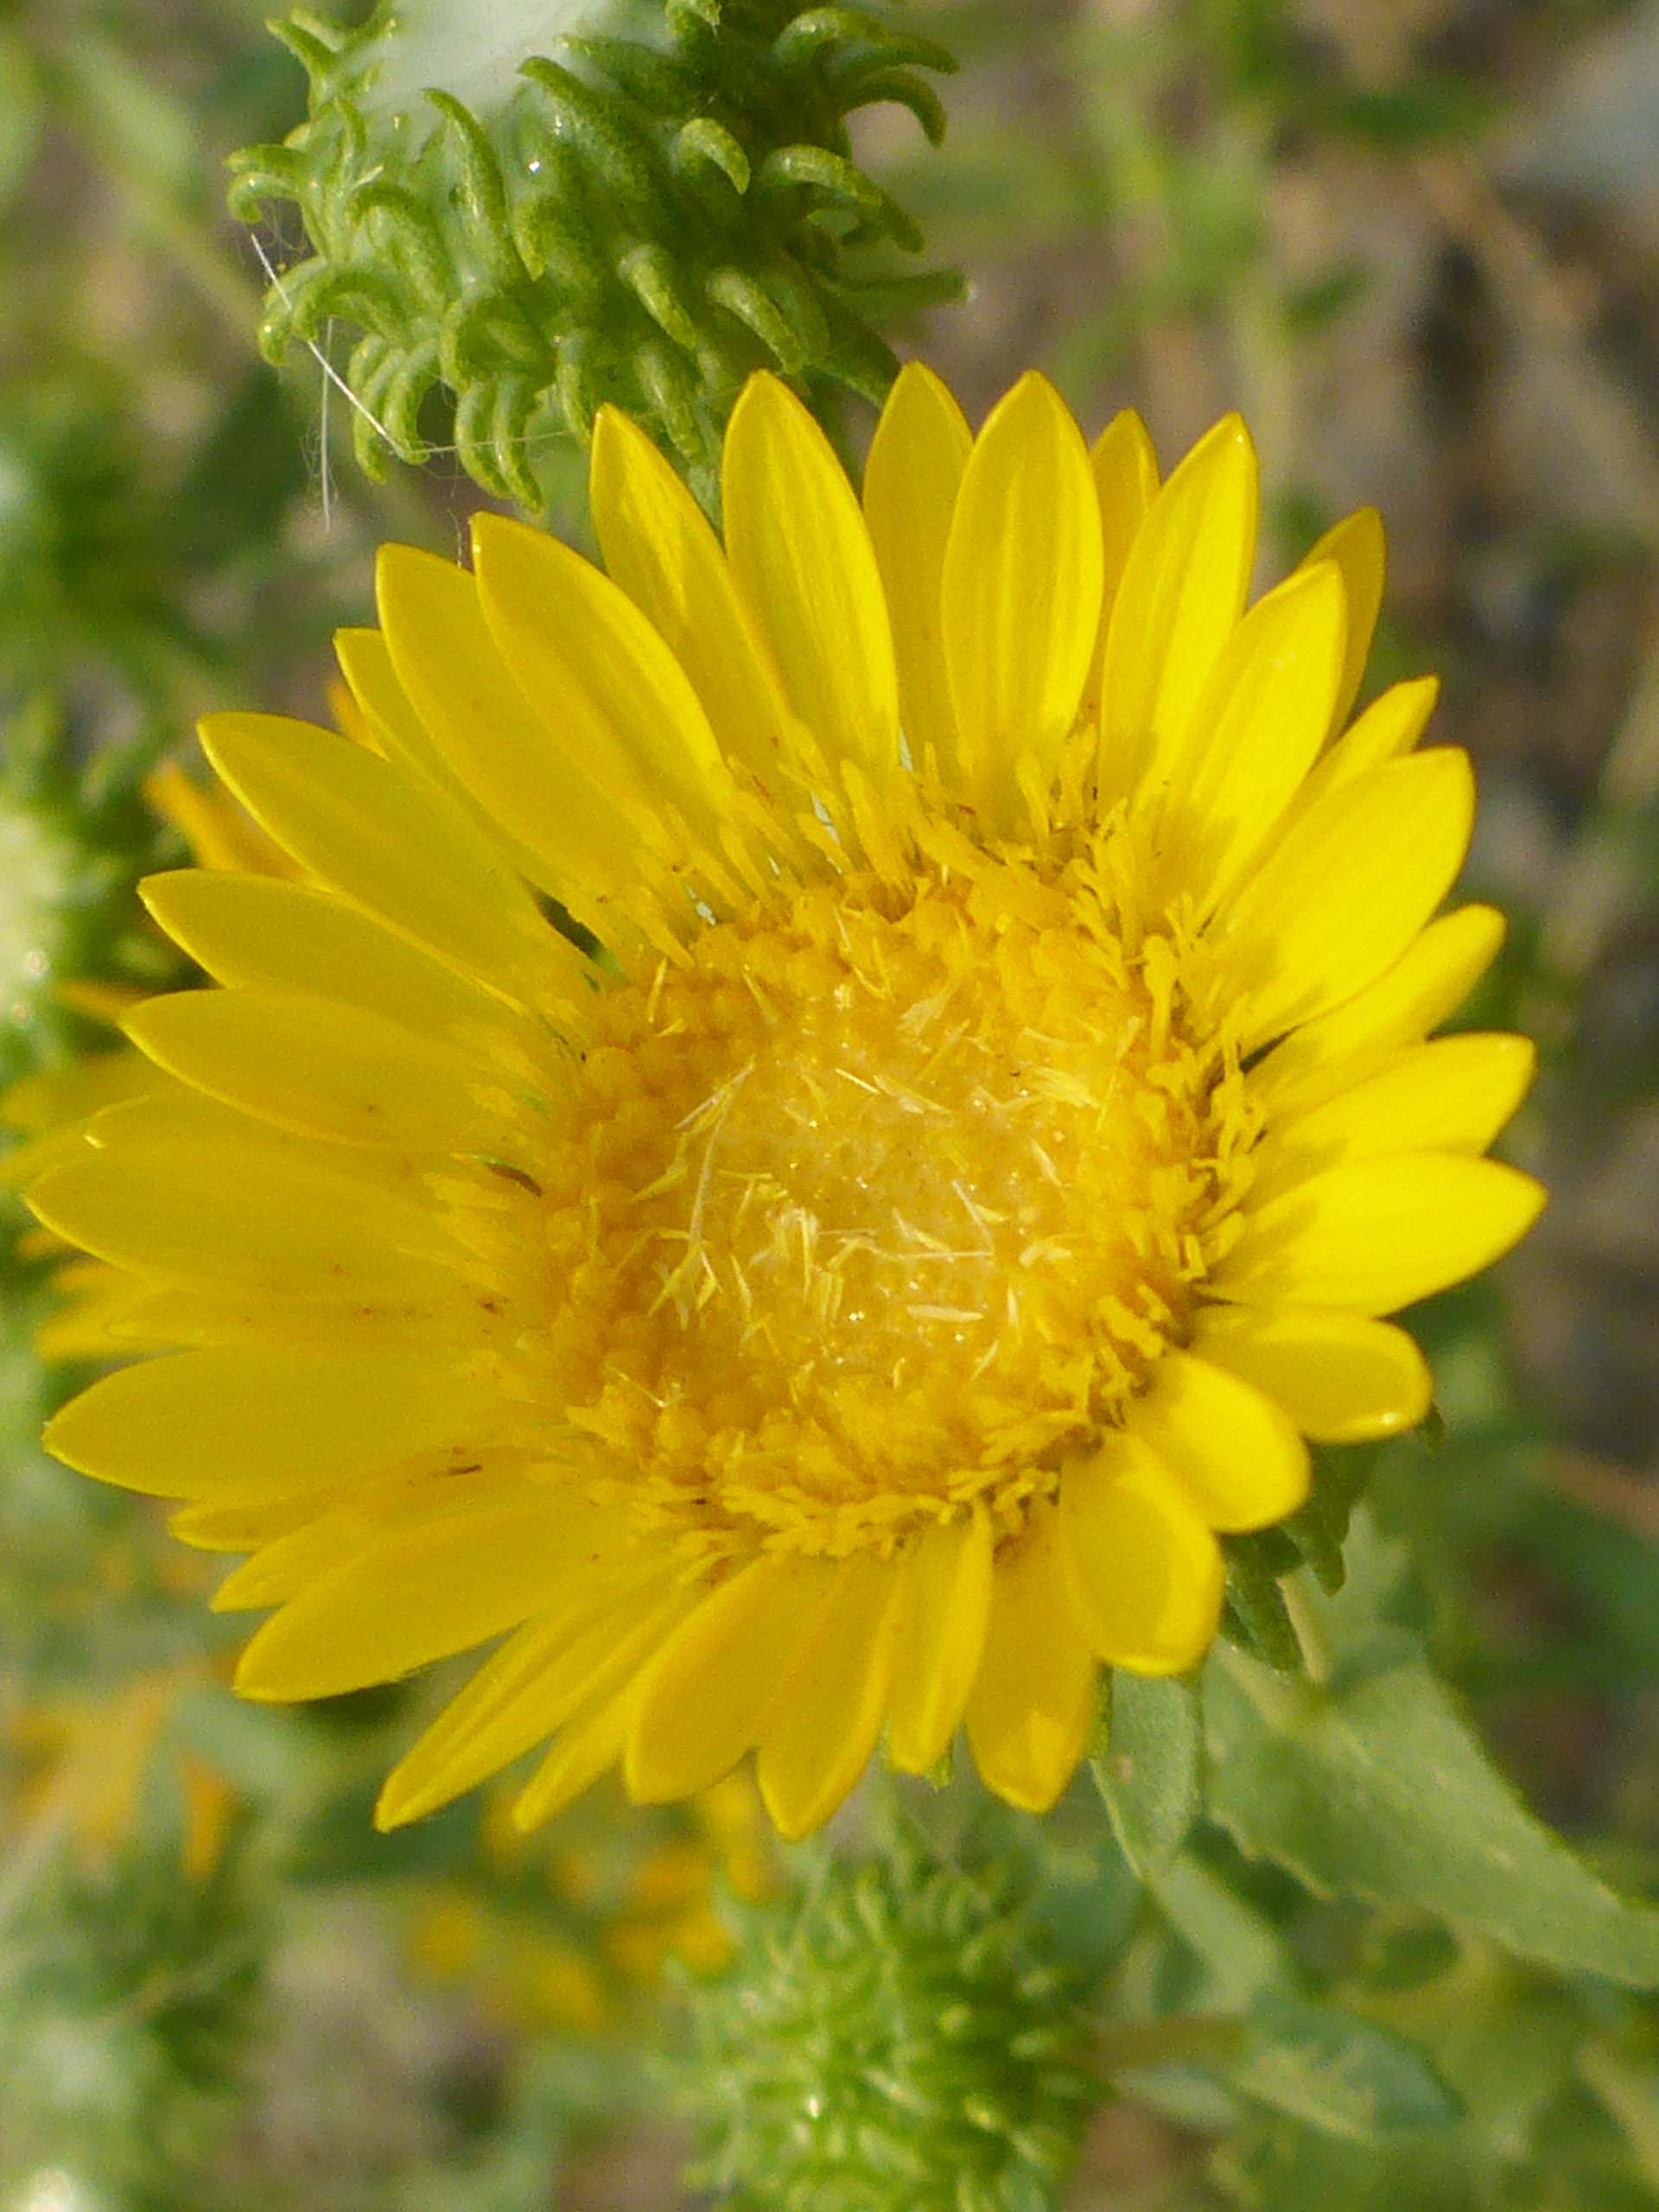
<point x="900" y="2039"/>
<point x="581" y="200"/>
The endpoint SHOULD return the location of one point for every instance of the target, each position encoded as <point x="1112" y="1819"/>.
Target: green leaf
<point x="1151" y="1772"/>
<point x="1240" y="1948"/>
<point x="1374" y="1786"/>
<point x="1282" y="2167"/>
<point x="1255" y="1615"/>
<point x="1342" y="2074"/>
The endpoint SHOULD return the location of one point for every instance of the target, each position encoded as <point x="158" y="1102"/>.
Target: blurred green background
<point x="1417" y="242"/>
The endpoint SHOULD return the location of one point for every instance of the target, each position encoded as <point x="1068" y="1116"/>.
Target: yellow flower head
<point x="846" y="1282"/>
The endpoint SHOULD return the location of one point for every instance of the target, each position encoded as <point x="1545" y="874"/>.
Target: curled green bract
<point x="553" y="206"/>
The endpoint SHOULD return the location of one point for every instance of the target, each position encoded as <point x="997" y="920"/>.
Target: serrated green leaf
<point x="1375" y="1786"/>
<point x="1342" y="2074"/>
<point x="1151" y="1774"/>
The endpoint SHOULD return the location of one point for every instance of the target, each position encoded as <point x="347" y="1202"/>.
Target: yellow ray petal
<point x="259" y="935"/>
<point x="1263" y="716"/>
<point x="589" y="1743"/>
<point x="1388" y="729"/>
<point x="1023" y="571"/>
<point x="397" y="1603"/>
<point x="609" y="694"/>
<point x="1452" y="1095"/>
<point x="1035" y="1699"/>
<point x="659" y="548"/>
<point x="217" y="832"/>
<point x="96" y="1324"/>
<point x="911" y="482"/>
<point x="1183" y="590"/>
<point x="290" y="1562"/>
<point x="178" y="1120"/>
<point x="1428" y="982"/>
<point x="1343" y="1379"/>
<point x="1344" y="893"/>
<point x="402" y="850"/>
<point x="942" y="1635"/>
<point x="1142" y="1569"/>
<point x="593" y="1737"/>
<point x="817" y="1738"/>
<point x="573" y="840"/>
<point x="804" y="565"/>
<point x="1374" y="1234"/>
<point x="708" y="1690"/>
<point x="217" y="1215"/>
<point x="605" y="1619"/>
<point x="477" y="711"/>
<point x="365" y="663"/>
<point x="260" y="1422"/>
<point x="415" y="1493"/>
<point x="157" y="1320"/>
<point x="1234" y="1452"/>
<point x="47" y="1100"/>
<point x="320" y="1068"/>
<point x="243" y="1524"/>
<point x="1125" y="470"/>
<point x="174" y="1117"/>
<point x="1359" y="549"/>
<point x="27" y="1164"/>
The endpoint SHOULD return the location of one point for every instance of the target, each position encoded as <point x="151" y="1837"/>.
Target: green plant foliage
<point x="1280" y="2037"/>
<point x="72" y="845"/>
<point x="1339" y="2075"/>
<point x="128" y="1996"/>
<point x="79" y="580"/>
<point x="896" y="2037"/>
<point x="1521" y="2059"/>
<point x="1371" y="1784"/>
<point x="1151" y="1775"/>
<point x="589" y="202"/>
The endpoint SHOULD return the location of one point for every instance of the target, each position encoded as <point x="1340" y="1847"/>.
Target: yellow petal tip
<point x="247" y="1685"/>
<point x="396" y="1808"/>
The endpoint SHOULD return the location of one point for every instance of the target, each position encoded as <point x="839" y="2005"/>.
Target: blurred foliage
<point x="127" y="1997"/>
<point x="1417" y="245"/>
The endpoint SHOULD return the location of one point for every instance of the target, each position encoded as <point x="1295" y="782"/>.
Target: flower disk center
<point x="896" y="1203"/>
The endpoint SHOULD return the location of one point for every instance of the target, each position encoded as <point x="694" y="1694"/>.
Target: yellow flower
<point x="964" y="1158"/>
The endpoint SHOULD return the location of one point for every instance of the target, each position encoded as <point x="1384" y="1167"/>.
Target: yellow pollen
<point x="881" y="1204"/>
